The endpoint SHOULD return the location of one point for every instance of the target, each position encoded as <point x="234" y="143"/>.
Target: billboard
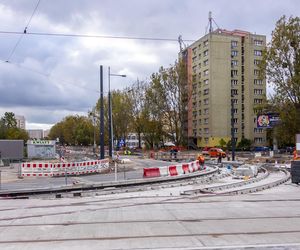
<point x="268" y="120"/>
<point x="11" y="149"/>
<point x="43" y="149"/>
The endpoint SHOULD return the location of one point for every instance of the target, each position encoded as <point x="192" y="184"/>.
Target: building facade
<point x="20" y="121"/>
<point x="35" y="133"/>
<point x="223" y="77"/>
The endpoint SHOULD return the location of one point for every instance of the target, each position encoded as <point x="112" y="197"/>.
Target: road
<point x="129" y="170"/>
<point x="154" y="220"/>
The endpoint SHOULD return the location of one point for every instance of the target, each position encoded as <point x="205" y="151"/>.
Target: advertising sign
<point x="268" y="120"/>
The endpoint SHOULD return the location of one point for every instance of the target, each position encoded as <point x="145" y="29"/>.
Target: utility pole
<point x="101" y="115"/>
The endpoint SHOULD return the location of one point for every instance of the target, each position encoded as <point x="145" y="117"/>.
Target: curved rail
<point x="210" y="190"/>
<point x="103" y="185"/>
<point x="227" y="186"/>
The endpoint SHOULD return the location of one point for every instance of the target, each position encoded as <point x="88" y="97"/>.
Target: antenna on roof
<point x="182" y="45"/>
<point x="210" y="23"/>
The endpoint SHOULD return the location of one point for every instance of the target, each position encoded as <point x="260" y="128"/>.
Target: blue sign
<point x="121" y="143"/>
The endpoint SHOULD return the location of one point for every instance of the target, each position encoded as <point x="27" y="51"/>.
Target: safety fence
<point x="62" y="169"/>
<point x="173" y="170"/>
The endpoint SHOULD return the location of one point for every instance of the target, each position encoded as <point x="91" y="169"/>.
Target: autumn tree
<point x="281" y="66"/>
<point x="9" y="129"/>
<point x="73" y="130"/>
<point x="168" y="92"/>
<point x="136" y="94"/>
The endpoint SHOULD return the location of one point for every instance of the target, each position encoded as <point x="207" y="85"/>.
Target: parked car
<point x="214" y="152"/>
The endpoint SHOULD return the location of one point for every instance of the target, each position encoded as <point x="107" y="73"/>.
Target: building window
<point x="258" y="101"/>
<point x="256" y="111"/>
<point x="206" y="72"/>
<point x="205" y="62"/>
<point x="257" y="62"/>
<point x="235" y="101"/>
<point x="205" y="53"/>
<point x="194" y="69"/>
<point x="235" y="130"/>
<point x="199" y="65"/>
<point x="235" y="120"/>
<point x="206" y="81"/>
<point x="206" y="140"/>
<point x="206" y="111"/>
<point x="258" y="91"/>
<point x="258" y="42"/>
<point x="234" y="82"/>
<point x="194" y="50"/>
<point x="234" y="92"/>
<point x="258" y="81"/>
<point x="206" y="131"/>
<point x="234" y="63"/>
<point x="205" y="43"/>
<point x="256" y="72"/>
<point x="234" y="73"/>
<point x="234" y="53"/>
<point x="258" y="139"/>
<point x="206" y="101"/>
<point x="234" y="44"/>
<point x="258" y="130"/>
<point x="257" y="52"/>
<point x="206" y="121"/>
<point x="205" y="92"/>
<point x="194" y="58"/>
<point x="235" y="111"/>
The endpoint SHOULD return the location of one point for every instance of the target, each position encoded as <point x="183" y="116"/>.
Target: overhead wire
<point x="22" y="33"/>
<point x="94" y="36"/>
<point x="49" y="76"/>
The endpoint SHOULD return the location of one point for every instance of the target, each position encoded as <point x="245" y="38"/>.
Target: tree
<point x="281" y="66"/>
<point x="9" y="130"/>
<point x="222" y="143"/>
<point x="9" y="120"/>
<point x="167" y="94"/>
<point x="73" y="130"/>
<point x="136" y="94"/>
<point x="244" y="144"/>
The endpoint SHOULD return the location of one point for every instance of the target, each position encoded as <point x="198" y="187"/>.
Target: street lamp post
<point x="110" y="122"/>
<point x="232" y="128"/>
<point x="101" y="115"/>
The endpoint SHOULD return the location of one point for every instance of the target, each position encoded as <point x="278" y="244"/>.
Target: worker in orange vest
<point x="201" y="159"/>
<point x="296" y="157"/>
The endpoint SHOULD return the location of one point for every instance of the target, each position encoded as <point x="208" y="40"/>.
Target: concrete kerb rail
<point x="173" y="170"/>
<point x="227" y="186"/>
<point x="260" y="187"/>
<point x="33" y="169"/>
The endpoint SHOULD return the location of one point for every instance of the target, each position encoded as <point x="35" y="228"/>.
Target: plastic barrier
<point x="185" y="168"/>
<point x="151" y="172"/>
<point x="179" y="170"/>
<point x="164" y="171"/>
<point x="62" y="169"/>
<point x="36" y="169"/>
<point x="172" y="170"/>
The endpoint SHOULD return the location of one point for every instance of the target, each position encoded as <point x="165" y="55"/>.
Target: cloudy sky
<point x="46" y="78"/>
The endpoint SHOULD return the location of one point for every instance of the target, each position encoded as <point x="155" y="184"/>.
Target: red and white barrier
<point x="64" y="168"/>
<point x="173" y="170"/>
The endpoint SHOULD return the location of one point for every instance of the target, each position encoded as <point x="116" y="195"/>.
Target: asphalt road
<point x="127" y="171"/>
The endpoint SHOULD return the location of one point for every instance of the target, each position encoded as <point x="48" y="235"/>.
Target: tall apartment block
<point x="20" y="119"/>
<point x="222" y="72"/>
